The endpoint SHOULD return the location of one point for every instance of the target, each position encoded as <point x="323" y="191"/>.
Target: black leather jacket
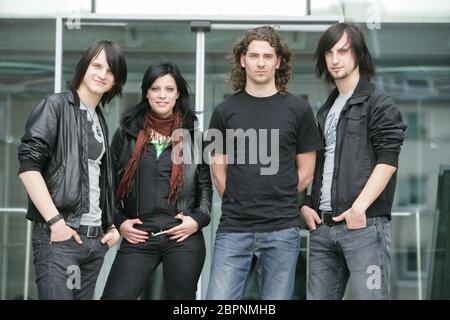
<point x="370" y="131"/>
<point x="56" y="144"/>
<point x="196" y="194"/>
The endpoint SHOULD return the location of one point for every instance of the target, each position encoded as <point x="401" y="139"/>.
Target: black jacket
<point x="196" y="194"/>
<point x="370" y="131"/>
<point x="56" y="144"/>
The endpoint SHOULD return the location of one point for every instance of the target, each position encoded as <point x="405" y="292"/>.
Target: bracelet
<point x="54" y="220"/>
<point x="111" y="228"/>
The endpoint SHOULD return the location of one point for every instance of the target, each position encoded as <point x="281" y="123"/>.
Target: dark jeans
<point x="135" y="263"/>
<point x="66" y="270"/>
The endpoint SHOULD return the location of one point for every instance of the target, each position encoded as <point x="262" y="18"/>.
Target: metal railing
<point x="415" y="212"/>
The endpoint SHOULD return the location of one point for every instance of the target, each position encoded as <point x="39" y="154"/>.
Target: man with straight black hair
<point x="65" y="166"/>
<point x="349" y="210"/>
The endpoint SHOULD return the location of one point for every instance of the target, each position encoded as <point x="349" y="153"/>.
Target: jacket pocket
<point x="356" y="122"/>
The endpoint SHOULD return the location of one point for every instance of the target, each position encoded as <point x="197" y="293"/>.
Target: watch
<point x="54" y="220"/>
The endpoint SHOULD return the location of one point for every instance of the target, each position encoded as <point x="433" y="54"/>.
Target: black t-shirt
<point x="252" y="201"/>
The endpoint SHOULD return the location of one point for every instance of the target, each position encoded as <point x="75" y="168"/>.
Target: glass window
<point x="413" y="65"/>
<point x="26" y="76"/>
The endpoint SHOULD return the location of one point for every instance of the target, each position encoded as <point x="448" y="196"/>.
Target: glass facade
<point x="413" y="65"/>
<point x="27" y="52"/>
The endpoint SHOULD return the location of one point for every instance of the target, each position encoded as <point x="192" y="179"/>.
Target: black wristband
<point x="54" y="220"/>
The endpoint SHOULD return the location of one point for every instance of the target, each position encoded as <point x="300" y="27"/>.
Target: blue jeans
<point x="337" y="254"/>
<point x="276" y="253"/>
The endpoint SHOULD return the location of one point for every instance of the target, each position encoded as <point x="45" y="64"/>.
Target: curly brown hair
<point x="283" y="74"/>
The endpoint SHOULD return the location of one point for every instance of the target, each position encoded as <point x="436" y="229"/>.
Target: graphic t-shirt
<point x="96" y="150"/>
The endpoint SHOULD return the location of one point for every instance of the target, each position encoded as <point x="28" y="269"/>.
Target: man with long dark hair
<point x="260" y="216"/>
<point x="65" y="165"/>
<point x="349" y="210"/>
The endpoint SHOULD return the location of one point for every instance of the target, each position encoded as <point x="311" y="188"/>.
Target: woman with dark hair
<point x="163" y="197"/>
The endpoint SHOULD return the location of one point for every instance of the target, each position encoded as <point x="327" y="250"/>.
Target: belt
<point x="327" y="218"/>
<point x="88" y="231"/>
<point x="91" y="231"/>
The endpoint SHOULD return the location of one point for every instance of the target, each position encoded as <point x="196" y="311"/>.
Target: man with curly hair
<point x="260" y="218"/>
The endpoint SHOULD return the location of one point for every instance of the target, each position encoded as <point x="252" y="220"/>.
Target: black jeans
<point x="66" y="270"/>
<point x="135" y="263"/>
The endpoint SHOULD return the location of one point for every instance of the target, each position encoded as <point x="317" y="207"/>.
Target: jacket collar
<point x="73" y="97"/>
<point x="363" y="89"/>
<point x="132" y="127"/>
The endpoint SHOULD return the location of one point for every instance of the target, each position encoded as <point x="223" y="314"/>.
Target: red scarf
<point x="164" y="126"/>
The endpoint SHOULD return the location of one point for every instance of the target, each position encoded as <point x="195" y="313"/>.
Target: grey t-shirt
<point x="330" y="146"/>
<point x="96" y="150"/>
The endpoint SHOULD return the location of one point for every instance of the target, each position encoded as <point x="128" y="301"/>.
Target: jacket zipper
<point x="184" y="196"/>
<point x="317" y="200"/>
<point x="136" y="182"/>
<point x="157" y="177"/>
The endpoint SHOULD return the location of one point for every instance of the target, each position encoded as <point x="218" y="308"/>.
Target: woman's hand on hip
<point x="187" y="227"/>
<point x="131" y="234"/>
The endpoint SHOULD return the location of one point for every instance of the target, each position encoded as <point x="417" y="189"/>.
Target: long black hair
<point x="330" y="37"/>
<point x="116" y="62"/>
<point x="182" y="104"/>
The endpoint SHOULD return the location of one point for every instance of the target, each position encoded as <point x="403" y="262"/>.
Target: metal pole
<point x="5" y="255"/>
<point x="200" y="76"/>
<point x="419" y="255"/>
<point x="58" y="54"/>
<point x="93" y="6"/>
<point x="199" y="102"/>
<point x="6" y="196"/>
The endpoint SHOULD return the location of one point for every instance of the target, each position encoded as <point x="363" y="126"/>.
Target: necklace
<point x="95" y="126"/>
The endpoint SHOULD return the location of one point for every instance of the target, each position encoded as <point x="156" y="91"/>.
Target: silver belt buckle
<point x="154" y="234"/>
